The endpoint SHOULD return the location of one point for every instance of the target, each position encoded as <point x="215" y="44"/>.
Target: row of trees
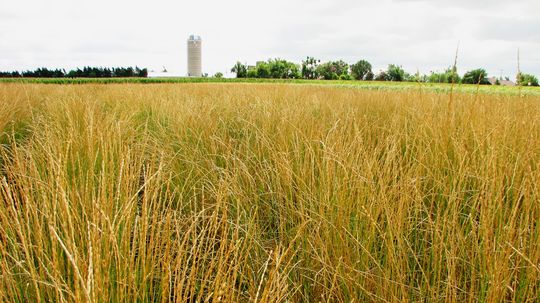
<point x="312" y="68"/>
<point x="85" y="72"/>
<point x="273" y="68"/>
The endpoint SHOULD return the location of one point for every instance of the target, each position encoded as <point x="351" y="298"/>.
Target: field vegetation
<point x="268" y="192"/>
<point x="420" y="87"/>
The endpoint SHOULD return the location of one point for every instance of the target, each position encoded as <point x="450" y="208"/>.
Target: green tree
<point x="142" y="72"/>
<point x="252" y="72"/>
<point x="13" y="74"/>
<point x="436" y="77"/>
<point x="361" y="69"/>
<point x="476" y="76"/>
<point x="240" y="70"/>
<point x="309" y="68"/>
<point x="395" y="73"/>
<point x="450" y="75"/>
<point x="417" y="77"/>
<point x="283" y="69"/>
<point x="263" y="70"/>
<point x="527" y="80"/>
<point x="218" y="75"/>
<point x="333" y="70"/>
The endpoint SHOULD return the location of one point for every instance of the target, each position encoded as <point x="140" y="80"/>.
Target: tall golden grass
<point x="267" y="193"/>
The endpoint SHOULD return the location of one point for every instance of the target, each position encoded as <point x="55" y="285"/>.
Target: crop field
<point x="274" y="192"/>
<point x="366" y="85"/>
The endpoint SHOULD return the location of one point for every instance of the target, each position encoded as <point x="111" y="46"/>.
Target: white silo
<point x="194" y="47"/>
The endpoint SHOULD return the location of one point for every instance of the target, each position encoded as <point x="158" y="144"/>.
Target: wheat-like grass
<point x="267" y="193"/>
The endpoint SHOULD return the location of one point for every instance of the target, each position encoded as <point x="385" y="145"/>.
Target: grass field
<point x="367" y="85"/>
<point x="267" y="193"/>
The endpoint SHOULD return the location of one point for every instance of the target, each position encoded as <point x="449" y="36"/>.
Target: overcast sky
<point x="419" y="35"/>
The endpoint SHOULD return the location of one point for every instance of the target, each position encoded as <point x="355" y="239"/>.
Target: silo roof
<point x="194" y="37"/>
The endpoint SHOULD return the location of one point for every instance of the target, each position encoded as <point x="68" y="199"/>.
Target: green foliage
<point x="283" y="69"/>
<point x="387" y="86"/>
<point x="361" y="69"/>
<point x="218" y="75"/>
<point x="395" y="73"/>
<point x="333" y="70"/>
<point x="476" y="76"/>
<point x="240" y="70"/>
<point x="262" y="70"/>
<point x="252" y="72"/>
<point x="274" y="69"/>
<point x="44" y="73"/>
<point x="345" y="77"/>
<point x="527" y="80"/>
<point x="309" y="68"/>
<point x="450" y="75"/>
<point x="417" y="77"/>
<point x="14" y="74"/>
<point x="85" y="72"/>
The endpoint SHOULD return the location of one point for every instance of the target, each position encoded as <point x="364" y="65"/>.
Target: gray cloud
<point x="467" y="4"/>
<point x="510" y="29"/>
<point x="418" y="34"/>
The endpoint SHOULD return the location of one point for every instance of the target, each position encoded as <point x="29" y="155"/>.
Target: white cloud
<point x="417" y="34"/>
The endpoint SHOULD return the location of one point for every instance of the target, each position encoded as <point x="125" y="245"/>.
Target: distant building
<point x="194" y="48"/>
<point x="503" y="82"/>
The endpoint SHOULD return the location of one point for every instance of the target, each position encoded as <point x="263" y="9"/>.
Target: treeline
<point x="85" y="72"/>
<point x="312" y="68"/>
